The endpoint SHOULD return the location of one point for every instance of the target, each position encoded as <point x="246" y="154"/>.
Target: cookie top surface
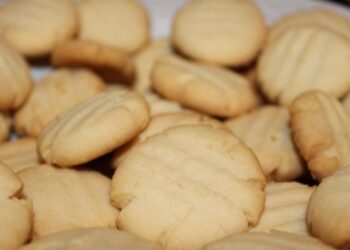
<point x="321" y="131"/>
<point x="266" y="131"/>
<point x="91" y="239"/>
<point x="71" y="199"/>
<point x="20" y="21"/>
<point x="105" y="21"/>
<point x="15" y="79"/>
<point x="320" y="16"/>
<point x="272" y="241"/>
<point x="209" y="89"/>
<point x="57" y="92"/>
<point x="93" y="128"/>
<point x="328" y="215"/>
<point x="169" y="186"/>
<point x="285" y="208"/>
<point x="224" y="32"/>
<point x="19" y="154"/>
<point x="111" y="63"/>
<point x="316" y="56"/>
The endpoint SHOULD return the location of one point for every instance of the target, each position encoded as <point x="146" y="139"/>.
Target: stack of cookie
<point x="227" y="134"/>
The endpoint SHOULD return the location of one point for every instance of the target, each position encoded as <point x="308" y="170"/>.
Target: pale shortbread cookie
<point x="123" y="24"/>
<point x="316" y="57"/>
<point x="56" y="93"/>
<point x="19" y="154"/>
<point x="209" y="89"/>
<point x="321" y="130"/>
<point x="161" y="122"/>
<point x="266" y="131"/>
<point x="158" y="105"/>
<point x="285" y="208"/>
<point x="224" y="32"/>
<point x="93" y="128"/>
<point x="328" y="212"/>
<point x="111" y="63"/>
<point x="16" y="213"/>
<point x="4" y="126"/>
<point x="320" y="16"/>
<point x="144" y="61"/>
<point x="188" y="186"/>
<point x="35" y="27"/>
<point x="272" y="241"/>
<point x="15" y="78"/>
<point x="65" y="199"/>
<point x="91" y="239"/>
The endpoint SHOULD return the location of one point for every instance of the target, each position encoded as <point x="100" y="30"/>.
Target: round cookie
<point x="70" y="199"/>
<point x="35" y="27"/>
<point x="111" y="63"/>
<point x="144" y="61"/>
<point x="91" y="239"/>
<point x="161" y="122"/>
<point x="15" y="78"/>
<point x="321" y="131"/>
<point x="16" y="213"/>
<point x="195" y="183"/>
<point x="158" y="105"/>
<point x="285" y="208"/>
<point x="19" y="154"/>
<point x="266" y="131"/>
<point x="316" y="57"/>
<point x="224" y="32"/>
<point x="272" y="241"/>
<point x="122" y="24"/>
<point x="56" y="93"/>
<point x="93" y="128"/>
<point x="320" y="16"/>
<point x="209" y="89"/>
<point x="328" y="212"/>
<point x="4" y="127"/>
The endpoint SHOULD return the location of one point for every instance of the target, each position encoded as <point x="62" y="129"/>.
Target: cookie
<point x="321" y="131"/>
<point x="35" y="27"/>
<point x="266" y="131"/>
<point x="4" y="127"/>
<point x="122" y="24"/>
<point x="328" y="212"/>
<point x="56" y="93"/>
<point x="158" y="105"/>
<point x="65" y="199"/>
<point x="224" y="32"/>
<point x="144" y="61"/>
<point x="111" y="63"/>
<point x="19" y="154"/>
<point x="161" y="122"/>
<point x="316" y="57"/>
<point x="273" y="241"/>
<point x="209" y="89"/>
<point x="319" y="16"/>
<point x="16" y="213"/>
<point x="15" y="78"/>
<point x="91" y="239"/>
<point x="93" y="128"/>
<point x="285" y="208"/>
<point x="188" y="186"/>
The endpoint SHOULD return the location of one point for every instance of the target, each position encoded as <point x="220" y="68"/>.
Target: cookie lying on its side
<point x="93" y="128"/>
<point x="321" y="131"/>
